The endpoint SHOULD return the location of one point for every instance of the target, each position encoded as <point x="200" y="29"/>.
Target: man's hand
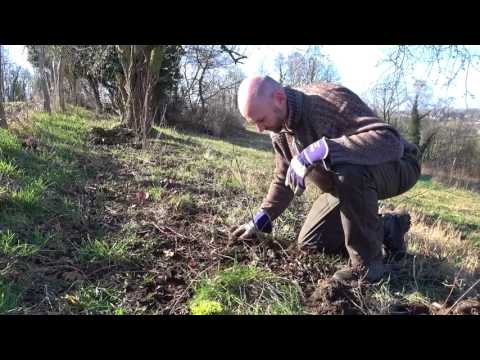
<point x="302" y="163"/>
<point x="296" y="175"/>
<point x="260" y="223"/>
<point x="243" y="232"/>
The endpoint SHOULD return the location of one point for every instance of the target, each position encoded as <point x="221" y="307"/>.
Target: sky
<point x="357" y="66"/>
<point x="359" y="69"/>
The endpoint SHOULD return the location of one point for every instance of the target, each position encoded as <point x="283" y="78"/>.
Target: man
<point x="326" y="134"/>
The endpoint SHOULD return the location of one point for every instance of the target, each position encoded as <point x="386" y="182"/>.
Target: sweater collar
<point x="294" y="105"/>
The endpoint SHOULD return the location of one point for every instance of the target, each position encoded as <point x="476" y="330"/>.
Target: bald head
<point x="254" y="89"/>
<point x="262" y="101"/>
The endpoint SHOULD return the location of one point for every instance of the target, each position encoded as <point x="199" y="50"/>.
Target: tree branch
<point x="234" y="55"/>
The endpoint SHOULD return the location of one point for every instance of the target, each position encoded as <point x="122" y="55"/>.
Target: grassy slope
<point x="458" y="207"/>
<point x="75" y="240"/>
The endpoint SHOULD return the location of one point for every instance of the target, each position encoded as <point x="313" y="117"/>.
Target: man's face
<point x="266" y="114"/>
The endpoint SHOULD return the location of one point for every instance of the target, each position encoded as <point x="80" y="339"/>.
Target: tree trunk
<point x="43" y="80"/>
<point x="98" y="104"/>
<point x="54" y="89"/>
<point x="200" y="92"/>
<point x="122" y="97"/>
<point x="72" y="81"/>
<point x="141" y="65"/>
<point x="14" y="87"/>
<point x="127" y="59"/>
<point x="61" y="93"/>
<point x="76" y="85"/>
<point x="3" y="118"/>
<point x="415" y="128"/>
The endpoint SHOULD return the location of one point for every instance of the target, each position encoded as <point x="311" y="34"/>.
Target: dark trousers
<point x="347" y="220"/>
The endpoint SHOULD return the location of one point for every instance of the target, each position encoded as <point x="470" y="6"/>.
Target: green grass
<point x="33" y="206"/>
<point x="93" y="300"/>
<point x="11" y="245"/>
<point x="245" y="290"/>
<point x="36" y="175"/>
<point x="102" y="251"/>
<point x="156" y="192"/>
<point x="9" y="296"/>
<point x="7" y="168"/>
<point x="461" y="208"/>
<point x="183" y="203"/>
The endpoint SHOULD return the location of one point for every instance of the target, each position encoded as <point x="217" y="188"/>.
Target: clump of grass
<point x="28" y="199"/>
<point x="156" y="192"/>
<point x="246" y="290"/>
<point x="9" y="296"/>
<point x="7" y="168"/>
<point x="230" y="183"/>
<point x="94" y="300"/>
<point x="442" y="240"/>
<point x="10" y="245"/>
<point x="9" y="144"/>
<point x="183" y="203"/>
<point x="102" y="251"/>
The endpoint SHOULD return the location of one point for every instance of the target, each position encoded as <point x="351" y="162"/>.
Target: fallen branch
<point x="463" y="295"/>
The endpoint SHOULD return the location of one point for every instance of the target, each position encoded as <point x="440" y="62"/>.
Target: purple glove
<point x="302" y="163"/>
<point x="262" y="222"/>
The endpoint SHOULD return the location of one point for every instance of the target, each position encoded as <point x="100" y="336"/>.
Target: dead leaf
<point x="71" y="299"/>
<point x="168" y="253"/>
<point x="192" y="263"/>
<point x="142" y="196"/>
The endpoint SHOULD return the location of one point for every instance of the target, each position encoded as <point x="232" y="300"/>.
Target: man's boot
<point x="371" y="273"/>
<point x="395" y="227"/>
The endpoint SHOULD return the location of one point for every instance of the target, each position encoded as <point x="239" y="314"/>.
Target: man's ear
<point x="278" y="96"/>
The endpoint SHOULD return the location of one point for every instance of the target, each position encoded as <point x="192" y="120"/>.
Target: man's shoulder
<point x="318" y="88"/>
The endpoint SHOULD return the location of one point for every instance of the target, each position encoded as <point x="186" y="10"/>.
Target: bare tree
<point x="448" y="60"/>
<point x="387" y="97"/>
<point x="296" y="69"/>
<point x="145" y="68"/>
<point x="202" y="73"/>
<point x="280" y="67"/>
<point x="309" y="66"/>
<point x="319" y="66"/>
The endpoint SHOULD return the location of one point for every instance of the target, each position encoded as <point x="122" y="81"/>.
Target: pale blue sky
<point x="356" y="65"/>
<point x="358" y="68"/>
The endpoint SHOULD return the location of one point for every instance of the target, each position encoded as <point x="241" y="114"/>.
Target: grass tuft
<point x="246" y="290"/>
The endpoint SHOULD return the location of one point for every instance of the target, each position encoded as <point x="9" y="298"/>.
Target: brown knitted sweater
<point x="354" y="134"/>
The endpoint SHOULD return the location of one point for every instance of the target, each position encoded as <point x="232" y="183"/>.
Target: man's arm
<point x="371" y="147"/>
<point x="279" y="196"/>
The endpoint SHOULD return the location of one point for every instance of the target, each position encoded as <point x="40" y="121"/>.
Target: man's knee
<point x="316" y="245"/>
<point x="327" y="236"/>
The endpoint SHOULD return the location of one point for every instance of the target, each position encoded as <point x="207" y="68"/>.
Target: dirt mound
<point x="114" y="136"/>
<point x="331" y="298"/>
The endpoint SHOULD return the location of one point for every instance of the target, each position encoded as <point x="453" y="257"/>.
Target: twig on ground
<point x="414" y="274"/>
<point x="463" y="295"/>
